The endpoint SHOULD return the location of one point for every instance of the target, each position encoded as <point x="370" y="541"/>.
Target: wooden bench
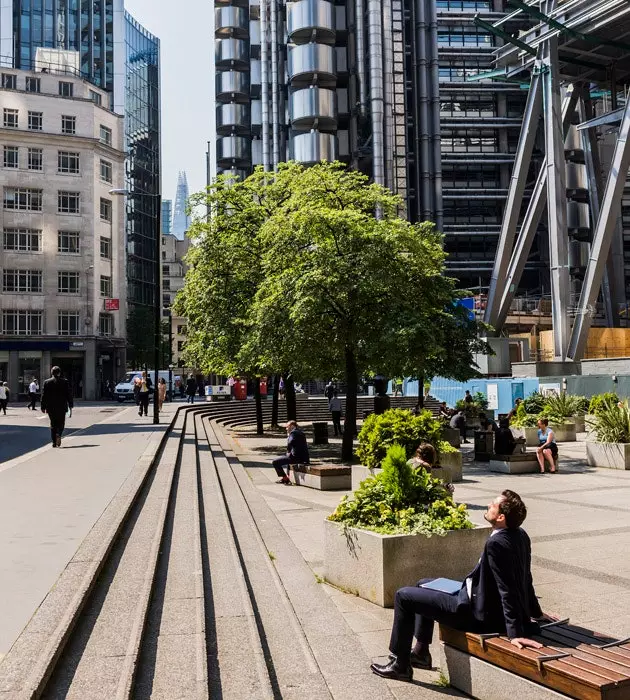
<point x="574" y="662"/>
<point x="323" y="477"/>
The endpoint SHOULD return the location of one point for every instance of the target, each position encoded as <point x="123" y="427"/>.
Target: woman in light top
<point x="161" y="392"/>
<point x="548" y="449"/>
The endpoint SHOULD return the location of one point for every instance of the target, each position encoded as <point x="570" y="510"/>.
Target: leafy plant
<point x="582" y="405"/>
<point x="559" y="407"/>
<point x="445" y="448"/>
<point x="612" y="421"/>
<point x="534" y="403"/>
<point x="401" y="500"/>
<point x="599" y="401"/>
<point x="396" y="426"/>
<point x="470" y="408"/>
<point x="481" y="400"/>
<point x="522" y="419"/>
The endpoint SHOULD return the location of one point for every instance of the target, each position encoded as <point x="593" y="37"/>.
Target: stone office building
<point x="62" y="266"/>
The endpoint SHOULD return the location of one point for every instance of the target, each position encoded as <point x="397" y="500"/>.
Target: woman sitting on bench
<point x="548" y="449"/>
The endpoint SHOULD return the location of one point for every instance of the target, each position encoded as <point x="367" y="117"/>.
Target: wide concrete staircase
<point x="188" y="587"/>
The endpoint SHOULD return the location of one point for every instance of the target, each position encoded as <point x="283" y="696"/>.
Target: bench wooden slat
<point x="604" y="656"/>
<point x="577" y="677"/>
<point x="582" y="635"/>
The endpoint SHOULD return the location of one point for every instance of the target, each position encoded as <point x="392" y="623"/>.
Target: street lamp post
<point x="170" y="382"/>
<point x="157" y="306"/>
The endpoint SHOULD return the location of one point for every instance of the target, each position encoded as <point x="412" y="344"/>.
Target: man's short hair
<point x="513" y="508"/>
<point x="292" y="424"/>
<point x="55" y="371"/>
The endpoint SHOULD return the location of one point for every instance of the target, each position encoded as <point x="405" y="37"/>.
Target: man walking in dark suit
<point x="56" y="400"/>
<point x="497" y="596"/>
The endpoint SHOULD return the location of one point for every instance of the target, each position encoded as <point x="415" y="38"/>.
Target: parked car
<point x="124" y="389"/>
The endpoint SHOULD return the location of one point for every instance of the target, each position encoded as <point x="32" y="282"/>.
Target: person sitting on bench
<point x="548" y="449"/>
<point x="297" y="452"/>
<point x="497" y="596"/>
<point x="504" y="440"/>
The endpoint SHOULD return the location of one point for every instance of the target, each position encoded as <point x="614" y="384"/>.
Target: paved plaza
<point x="578" y="520"/>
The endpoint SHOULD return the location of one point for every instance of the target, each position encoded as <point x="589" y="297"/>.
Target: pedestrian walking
<point x="4" y="397"/>
<point x="33" y="391"/>
<point x="191" y="389"/>
<point x="329" y="391"/>
<point x="57" y="402"/>
<point x="137" y="383"/>
<point x="143" y="395"/>
<point x="334" y="406"/>
<point x="161" y="392"/>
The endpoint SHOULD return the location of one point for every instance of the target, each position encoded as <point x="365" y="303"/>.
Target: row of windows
<point x="68" y="162"/>
<point x="31" y="282"/>
<point x="30" y="199"/>
<point x="464" y="36"/>
<point x="16" y="322"/>
<point x="35" y="122"/>
<point x="30" y="241"/>
<point x="33" y="84"/>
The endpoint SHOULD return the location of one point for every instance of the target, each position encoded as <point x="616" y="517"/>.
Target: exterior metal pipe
<point x="264" y="81"/>
<point x="610" y="208"/>
<point x="388" y="54"/>
<point x="416" y="113"/>
<point x="275" y="116"/>
<point x="514" y="199"/>
<point x="425" y="208"/>
<point x="360" y="39"/>
<point x="375" y="39"/>
<point x="435" y="116"/>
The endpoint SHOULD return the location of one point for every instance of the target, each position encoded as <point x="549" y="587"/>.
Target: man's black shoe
<point x="394" y="671"/>
<point x="421" y="660"/>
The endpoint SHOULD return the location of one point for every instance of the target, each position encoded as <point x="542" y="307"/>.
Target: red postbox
<point x="263" y="386"/>
<point x="240" y="390"/>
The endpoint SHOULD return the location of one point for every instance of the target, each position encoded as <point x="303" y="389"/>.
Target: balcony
<point x="231" y="21"/>
<point x="312" y="64"/>
<point x="232" y="86"/>
<point x="232" y="118"/>
<point x="233" y="151"/>
<point x="313" y="147"/>
<point x="231" y="53"/>
<point x="312" y="107"/>
<point x="311" y="20"/>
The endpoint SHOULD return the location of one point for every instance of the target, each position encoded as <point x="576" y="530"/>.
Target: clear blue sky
<point x="185" y="32"/>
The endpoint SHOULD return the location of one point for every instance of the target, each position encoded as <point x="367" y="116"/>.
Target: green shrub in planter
<point x="522" y="419"/>
<point x="534" y="403"/>
<point x="599" y="402"/>
<point x="582" y="404"/>
<point x="402" y="500"/>
<point x="611" y="422"/>
<point x="560" y="408"/>
<point x="396" y="426"/>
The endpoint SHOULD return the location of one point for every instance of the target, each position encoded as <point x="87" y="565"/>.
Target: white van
<point x="124" y="389"/>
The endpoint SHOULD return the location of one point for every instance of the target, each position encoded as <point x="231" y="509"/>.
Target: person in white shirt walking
<point x="4" y="397"/>
<point x="33" y="393"/>
<point x="334" y="406"/>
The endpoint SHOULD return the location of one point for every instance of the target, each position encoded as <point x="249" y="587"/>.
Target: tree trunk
<point x="421" y="391"/>
<point x="260" y="428"/>
<point x="274" y="403"/>
<point x="289" y="391"/>
<point x="350" y="421"/>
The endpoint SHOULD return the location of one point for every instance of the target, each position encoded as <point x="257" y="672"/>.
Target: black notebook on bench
<point x="446" y="585"/>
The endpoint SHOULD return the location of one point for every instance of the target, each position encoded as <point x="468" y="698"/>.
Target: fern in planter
<point x="522" y="419"/>
<point x="534" y="403"/>
<point x="402" y="500"/>
<point x="601" y="401"/>
<point x="560" y="408"/>
<point x="611" y="422"/>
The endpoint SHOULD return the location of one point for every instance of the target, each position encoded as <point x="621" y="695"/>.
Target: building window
<point x="22" y="281"/>
<point x="166" y="285"/>
<point x="22" y="199"/>
<point x="166" y="270"/>
<point x="105" y="324"/>
<point x="106" y="171"/>
<point x="35" y="159"/>
<point x="9" y="81"/>
<point x="67" y="323"/>
<point x="68" y="124"/>
<point x="35" y="121"/>
<point x="11" y="157"/>
<point x="68" y="162"/>
<point x="181" y="330"/>
<point x="69" y="203"/>
<point x="33" y="84"/>
<point x="96" y="98"/>
<point x="66" y="89"/>
<point x="22" y="240"/>
<point x="10" y="118"/>
<point x="106" y="135"/>
<point x="106" y="210"/>
<point x="166" y="300"/>
<point x="106" y="248"/>
<point x="106" y="286"/>
<point x="180" y="345"/>
<point x="68" y="242"/>
<point x="68" y="282"/>
<point x="22" y="322"/>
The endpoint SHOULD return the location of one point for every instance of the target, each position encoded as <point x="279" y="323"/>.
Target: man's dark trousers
<point x="32" y="403"/>
<point x="336" y="419"/>
<point x="415" y="612"/>
<point x="57" y="424"/>
<point x="279" y="464"/>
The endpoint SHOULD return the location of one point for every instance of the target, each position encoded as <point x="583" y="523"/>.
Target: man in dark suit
<point x="56" y="400"/>
<point x="497" y="596"/>
<point x="297" y="452"/>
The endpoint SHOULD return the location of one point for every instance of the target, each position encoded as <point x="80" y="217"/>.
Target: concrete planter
<point x="360" y="473"/>
<point x="452" y="436"/>
<point x="530" y="435"/>
<point x="610" y="455"/>
<point x="565" y="432"/>
<point x="580" y="424"/>
<point x="375" y="566"/>
<point x="452" y="463"/>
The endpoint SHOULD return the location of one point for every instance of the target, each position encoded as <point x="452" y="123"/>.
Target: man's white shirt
<point x="33" y="388"/>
